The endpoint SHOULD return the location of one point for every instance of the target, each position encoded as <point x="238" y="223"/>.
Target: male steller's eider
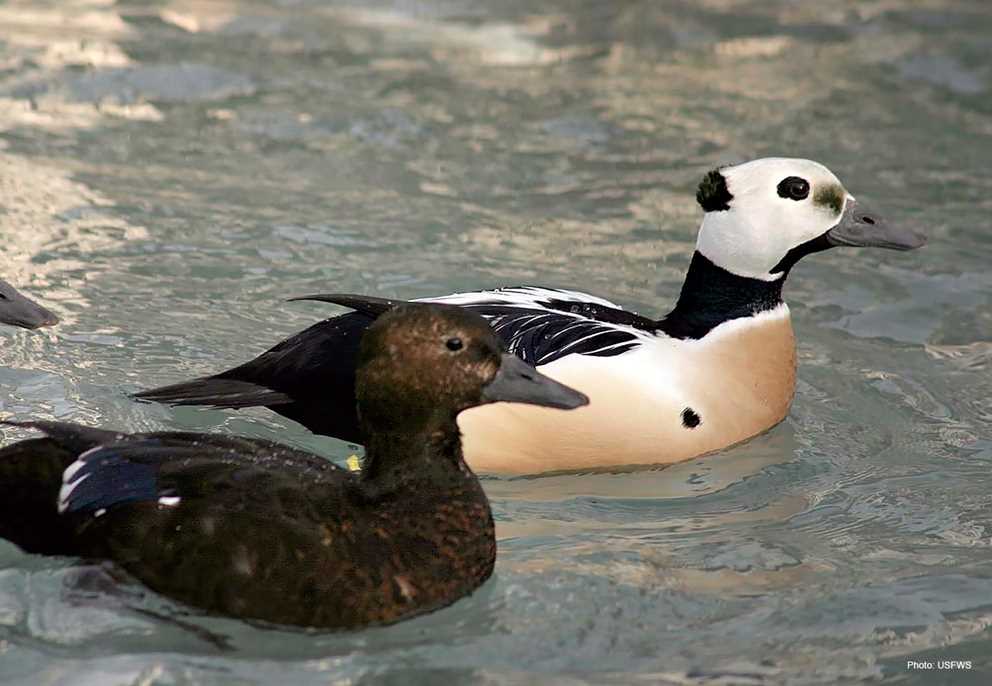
<point x="718" y="369"/>
<point x="252" y="529"/>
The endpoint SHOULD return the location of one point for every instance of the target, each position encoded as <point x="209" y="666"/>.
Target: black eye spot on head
<point x="712" y="194"/>
<point x="793" y="188"/>
<point x="454" y="344"/>
<point x="690" y="419"/>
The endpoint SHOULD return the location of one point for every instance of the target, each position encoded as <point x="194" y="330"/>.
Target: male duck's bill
<point x="861" y="227"/>
<point x="17" y="310"/>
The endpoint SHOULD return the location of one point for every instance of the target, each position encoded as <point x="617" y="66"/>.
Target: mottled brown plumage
<point x="252" y="529"/>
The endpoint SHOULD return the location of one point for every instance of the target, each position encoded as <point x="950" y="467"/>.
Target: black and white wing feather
<point x="541" y="325"/>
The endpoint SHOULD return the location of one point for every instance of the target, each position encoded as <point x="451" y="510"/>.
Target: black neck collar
<point x="711" y="295"/>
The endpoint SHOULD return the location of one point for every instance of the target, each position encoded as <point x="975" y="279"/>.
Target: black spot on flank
<point x="690" y="419"/>
<point x="712" y="194"/>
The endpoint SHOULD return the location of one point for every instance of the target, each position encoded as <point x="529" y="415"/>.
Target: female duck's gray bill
<point x="859" y="226"/>
<point x="518" y="382"/>
<point x="17" y="310"/>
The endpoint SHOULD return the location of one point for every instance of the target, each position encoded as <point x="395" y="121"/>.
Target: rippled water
<point x="170" y="171"/>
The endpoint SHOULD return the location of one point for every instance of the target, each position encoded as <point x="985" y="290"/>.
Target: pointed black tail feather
<point x="366" y="304"/>
<point x="215" y="392"/>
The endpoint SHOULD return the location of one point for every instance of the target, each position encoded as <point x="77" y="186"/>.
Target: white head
<point x="759" y="211"/>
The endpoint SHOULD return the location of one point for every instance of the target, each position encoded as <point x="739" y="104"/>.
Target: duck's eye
<point x="793" y="188"/>
<point x="454" y="344"/>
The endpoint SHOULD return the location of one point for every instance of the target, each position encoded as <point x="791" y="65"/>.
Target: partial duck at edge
<point x="717" y="369"/>
<point x="18" y="310"/>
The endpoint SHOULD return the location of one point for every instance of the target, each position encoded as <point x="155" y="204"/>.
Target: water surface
<point x="171" y="171"/>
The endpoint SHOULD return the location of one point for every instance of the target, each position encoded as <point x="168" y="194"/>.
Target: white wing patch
<point x="69" y="480"/>
<point x="67" y="488"/>
<point x="522" y="296"/>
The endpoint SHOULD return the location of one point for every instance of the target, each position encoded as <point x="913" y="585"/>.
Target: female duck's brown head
<point x="420" y="364"/>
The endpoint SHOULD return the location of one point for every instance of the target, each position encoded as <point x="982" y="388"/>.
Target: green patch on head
<point x="831" y="196"/>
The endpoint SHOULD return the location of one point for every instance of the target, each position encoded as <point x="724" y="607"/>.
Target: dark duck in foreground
<point x="17" y="310"/>
<point x="252" y="529"/>
<point x="718" y="369"/>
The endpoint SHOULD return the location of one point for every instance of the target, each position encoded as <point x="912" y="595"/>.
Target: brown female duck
<point x="252" y="529"/>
